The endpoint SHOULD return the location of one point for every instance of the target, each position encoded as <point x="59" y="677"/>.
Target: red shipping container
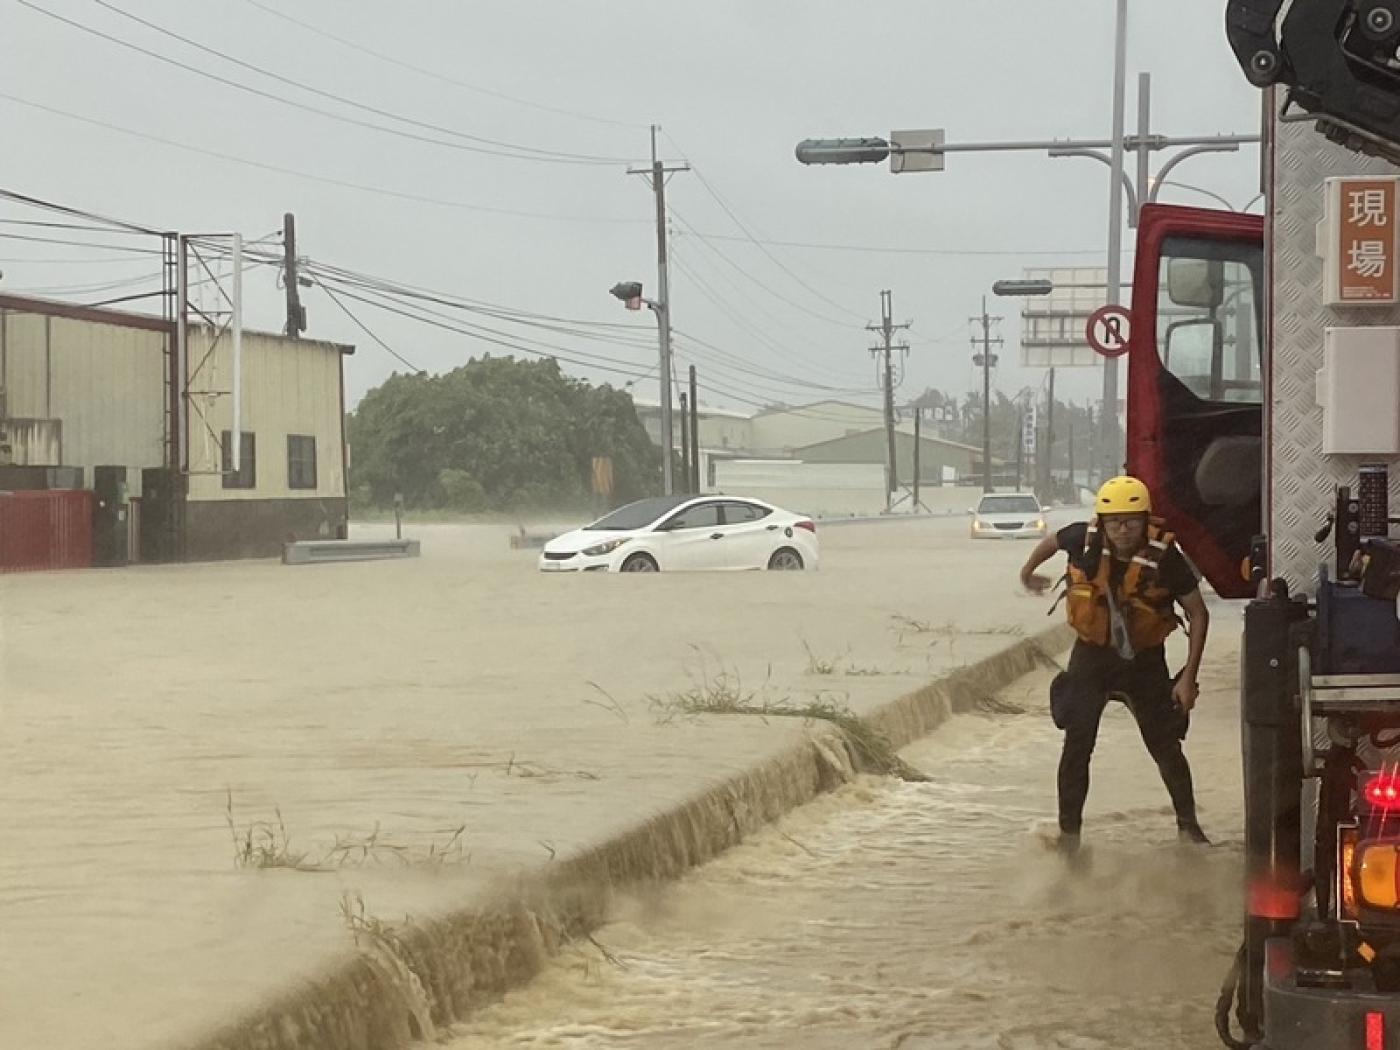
<point x="46" y="530"/>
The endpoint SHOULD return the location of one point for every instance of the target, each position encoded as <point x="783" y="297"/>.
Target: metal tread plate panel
<point x="1303" y="481"/>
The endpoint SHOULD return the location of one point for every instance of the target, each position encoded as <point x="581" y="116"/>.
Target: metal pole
<point x="1050" y="440"/>
<point x="918" y="440"/>
<point x="694" y="466"/>
<point x="1144" y="181"/>
<point x="658" y="184"/>
<point x="1108" y="444"/>
<point x="685" y="443"/>
<point x="1073" y="488"/>
<point x="237" y="437"/>
<point x="890" y="453"/>
<point x="1020" y="445"/>
<point x="987" y="399"/>
<point x="182" y="351"/>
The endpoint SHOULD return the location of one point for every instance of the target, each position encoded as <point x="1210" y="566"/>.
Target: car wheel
<point x="786" y="559"/>
<point x="640" y="563"/>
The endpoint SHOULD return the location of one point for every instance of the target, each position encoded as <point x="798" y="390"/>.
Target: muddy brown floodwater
<point x="932" y="916"/>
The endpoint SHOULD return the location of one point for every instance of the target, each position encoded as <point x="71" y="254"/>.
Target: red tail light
<point x="1375" y="1031"/>
<point x="1382" y="791"/>
<point x="810" y="526"/>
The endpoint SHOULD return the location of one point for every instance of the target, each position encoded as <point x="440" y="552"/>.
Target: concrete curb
<point x="403" y="984"/>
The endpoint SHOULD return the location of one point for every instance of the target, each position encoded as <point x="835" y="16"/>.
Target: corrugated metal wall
<point x="104" y="385"/>
<point x="288" y="388"/>
<point x="46" y="530"/>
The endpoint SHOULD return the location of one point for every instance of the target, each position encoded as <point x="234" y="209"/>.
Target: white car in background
<point x="670" y="533"/>
<point x="1008" y="516"/>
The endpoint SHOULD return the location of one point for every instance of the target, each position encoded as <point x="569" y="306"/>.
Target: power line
<point x="540" y="154"/>
<point x="493" y="337"/>
<point x="328" y="114"/>
<point x="754" y="239"/>
<point x="76" y="213"/>
<point x="41" y="224"/>
<point x="323" y="179"/>
<point x="318" y="31"/>
<point x="893" y="249"/>
<point x="361" y="325"/>
<point x="755" y="333"/>
<point x="751" y="279"/>
<point x="122" y="248"/>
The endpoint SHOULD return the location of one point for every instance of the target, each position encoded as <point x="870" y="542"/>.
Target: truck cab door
<point x="1195" y="382"/>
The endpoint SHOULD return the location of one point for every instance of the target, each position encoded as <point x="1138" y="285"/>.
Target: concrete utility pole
<point x="986" y="359"/>
<point x="656" y="175"/>
<point x="694" y="465"/>
<point x="887" y="328"/>
<point x="1048" y="470"/>
<point x="296" y="313"/>
<point x="685" y="445"/>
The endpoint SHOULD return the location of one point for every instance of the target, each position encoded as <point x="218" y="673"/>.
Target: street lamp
<point x="630" y="294"/>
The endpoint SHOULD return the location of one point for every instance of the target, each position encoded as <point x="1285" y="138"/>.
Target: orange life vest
<point x="1146" y="606"/>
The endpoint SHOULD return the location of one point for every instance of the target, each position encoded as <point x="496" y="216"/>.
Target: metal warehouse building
<point x="94" y="413"/>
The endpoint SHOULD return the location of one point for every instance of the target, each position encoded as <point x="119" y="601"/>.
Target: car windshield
<point x="637" y="515"/>
<point x="1008" y="505"/>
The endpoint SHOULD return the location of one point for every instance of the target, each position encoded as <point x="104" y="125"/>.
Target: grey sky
<point x="734" y="85"/>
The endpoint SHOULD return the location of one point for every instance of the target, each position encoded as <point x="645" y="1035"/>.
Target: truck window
<point x="1209" y="320"/>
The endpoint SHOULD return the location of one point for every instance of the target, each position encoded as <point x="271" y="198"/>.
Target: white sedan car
<point x="1008" y="516"/>
<point x="687" y="532"/>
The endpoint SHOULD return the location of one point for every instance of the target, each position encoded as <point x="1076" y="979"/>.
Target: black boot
<point x="1190" y="832"/>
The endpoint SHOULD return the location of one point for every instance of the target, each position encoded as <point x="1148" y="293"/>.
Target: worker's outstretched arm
<point x="1044" y="551"/>
<point x="1198" y="617"/>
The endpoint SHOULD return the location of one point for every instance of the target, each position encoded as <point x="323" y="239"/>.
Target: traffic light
<point x="843" y="151"/>
<point x="977" y="360"/>
<point x="1027" y="287"/>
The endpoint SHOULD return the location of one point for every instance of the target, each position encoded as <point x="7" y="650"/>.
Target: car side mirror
<point x="1045" y="510"/>
<point x="971" y="511"/>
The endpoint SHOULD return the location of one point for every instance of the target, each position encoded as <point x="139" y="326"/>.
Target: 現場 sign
<point x="1360" y="242"/>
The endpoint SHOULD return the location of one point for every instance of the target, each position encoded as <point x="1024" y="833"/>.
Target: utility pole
<point x="685" y="444"/>
<point x="1108" y="418"/>
<point x="886" y="328"/>
<point x="694" y="465"/>
<point x="918" y="443"/>
<point x="1048" y="485"/>
<point x="1020" y="445"/>
<point x="656" y="175"/>
<point x="296" y="313"/>
<point x="986" y="359"/>
<point x="1073" y="486"/>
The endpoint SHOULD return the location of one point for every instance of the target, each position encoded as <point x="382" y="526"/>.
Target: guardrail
<point x="311" y="552"/>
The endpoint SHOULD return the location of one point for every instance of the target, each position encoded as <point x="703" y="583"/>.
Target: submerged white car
<point x="671" y="533"/>
<point x="1008" y="515"/>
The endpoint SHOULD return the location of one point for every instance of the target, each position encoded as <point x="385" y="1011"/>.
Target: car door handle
<point x="772" y="528"/>
<point x="716" y="535"/>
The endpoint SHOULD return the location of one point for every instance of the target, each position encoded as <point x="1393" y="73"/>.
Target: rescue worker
<point x="1125" y="577"/>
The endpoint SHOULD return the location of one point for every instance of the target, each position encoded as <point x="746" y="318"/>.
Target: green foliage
<point x="496" y="434"/>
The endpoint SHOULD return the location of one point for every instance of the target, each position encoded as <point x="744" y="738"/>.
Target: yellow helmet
<point x="1123" y="495"/>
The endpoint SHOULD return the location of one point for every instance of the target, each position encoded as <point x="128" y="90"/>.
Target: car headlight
<point x="606" y="547"/>
<point x="1039" y="523"/>
<point x="977" y="525"/>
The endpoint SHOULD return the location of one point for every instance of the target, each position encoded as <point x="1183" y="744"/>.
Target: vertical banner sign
<point x="1360" y="242"/>
<point x="602" y="476"/>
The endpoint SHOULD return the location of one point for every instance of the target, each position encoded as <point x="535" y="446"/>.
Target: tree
<point x="497" y="433"/>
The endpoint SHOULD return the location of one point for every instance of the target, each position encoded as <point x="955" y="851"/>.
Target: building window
<point x="301" y="461"/>
<point x="247" y="476"/>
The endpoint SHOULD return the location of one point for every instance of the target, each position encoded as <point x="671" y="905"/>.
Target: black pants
<point x="1094" y="673"/>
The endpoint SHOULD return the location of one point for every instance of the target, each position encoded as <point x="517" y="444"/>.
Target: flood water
<point x="930" y="915"/>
